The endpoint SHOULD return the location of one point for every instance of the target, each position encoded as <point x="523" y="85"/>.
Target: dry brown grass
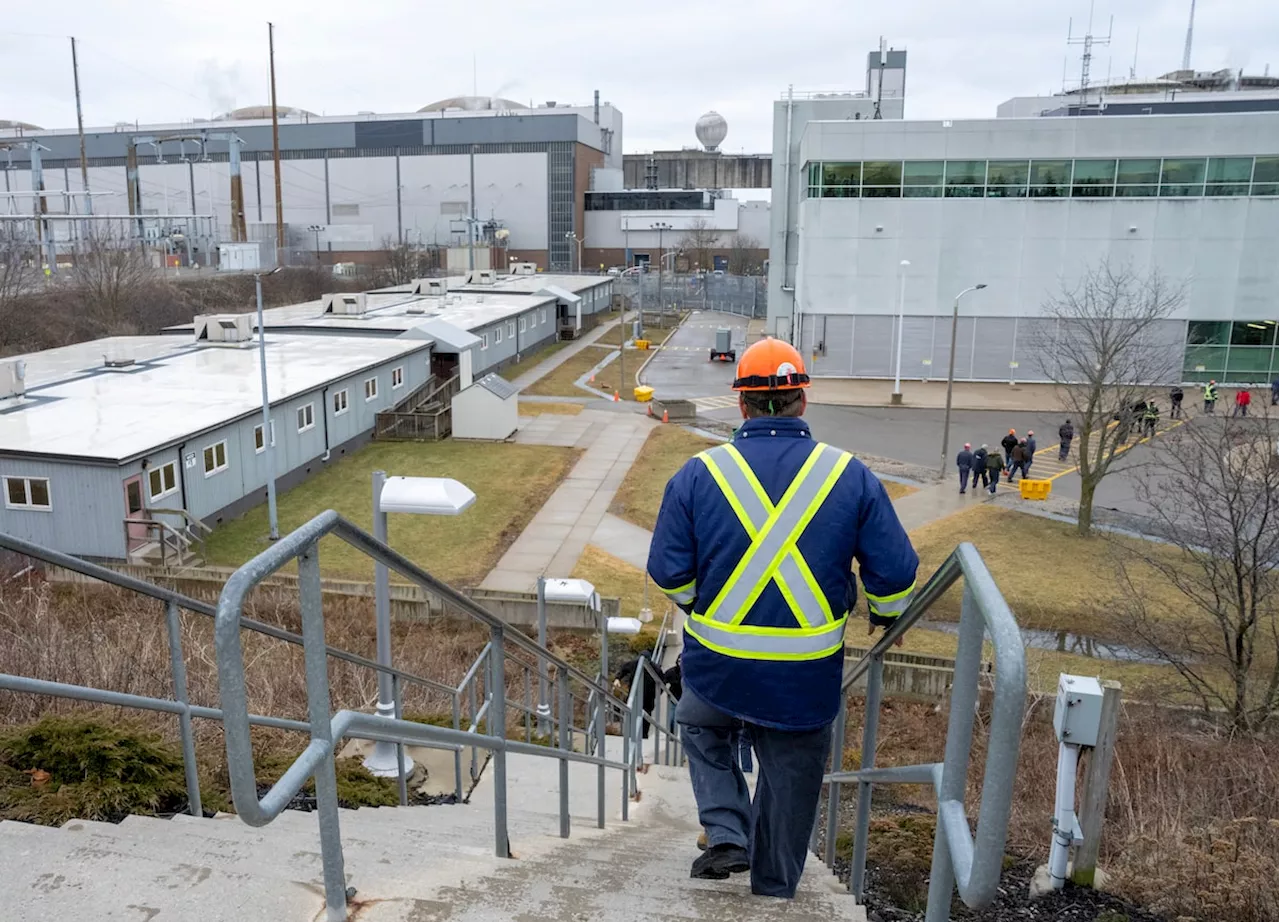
<point x="538" y="407"/>
<point x="898" y="490"/>
<point x="107" y="638"/>
<point x="1191" y="817"/>
<point x="559" y="382"/>
<point x="1052" y="578"/>
<point x="529" y="362"/>
<point x="666" y="449"/>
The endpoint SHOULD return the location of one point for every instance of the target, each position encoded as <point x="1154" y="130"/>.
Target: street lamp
<point x="267" y="441"/>
<point x="316" y="229"/>
<point x="578" y="240"/>
<point x="573" y="592"/>
<point x="951" y="373"/>
<point x="659" y="226"/>
<point x="416" y="496"/>
<point x="902" y="301"/>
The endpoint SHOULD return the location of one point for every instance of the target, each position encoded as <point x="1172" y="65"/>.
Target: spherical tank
<point x="711" y="129"/>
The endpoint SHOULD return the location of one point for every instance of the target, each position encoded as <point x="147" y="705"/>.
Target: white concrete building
<point x="1024" y="205"/>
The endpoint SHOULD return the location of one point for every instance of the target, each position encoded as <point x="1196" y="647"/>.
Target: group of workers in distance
<point x="986" y="464"/>
<point x="755" y="543"/>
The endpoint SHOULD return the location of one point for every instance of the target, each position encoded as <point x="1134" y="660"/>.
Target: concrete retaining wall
<point x="408" y="602"/>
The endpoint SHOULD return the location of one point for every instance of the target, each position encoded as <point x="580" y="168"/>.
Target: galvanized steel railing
<point x="327" y="728"/>
<point x="970" y="864"/>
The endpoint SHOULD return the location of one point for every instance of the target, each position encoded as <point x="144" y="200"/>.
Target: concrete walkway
<point x="966" y="395"/>
<point x="937" y="502"/>
<point x="621" y="539"/>
<point x="548" y="365"/>
<point x="568" y="520"/>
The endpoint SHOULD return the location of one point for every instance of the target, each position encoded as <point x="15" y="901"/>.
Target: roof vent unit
<point x="226" y="329"/>
<point x="117" y="357"/>
<point x="13" y="379"/>
<point x="435" y="288"/>
<point x="346" y="305"/>
<point x="524" y="268"/>
<point x="416" y="306"/>
<point x="483" y="277"/>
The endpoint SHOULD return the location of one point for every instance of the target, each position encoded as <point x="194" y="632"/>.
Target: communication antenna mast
<point x="1088" y="40"/>
<point x="1133" y="71"/>
<point x="1186" y="49"/>
<point x="880" y="82"/>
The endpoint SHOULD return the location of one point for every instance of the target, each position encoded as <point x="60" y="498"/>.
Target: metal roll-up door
<point x="965" y="328"/>
<point x="1036" y="337"/>
<point x="917" y="346"/>
<point x="992" y="348"/>
<point x="833" y="343"/>
<point x="873" y="345"/>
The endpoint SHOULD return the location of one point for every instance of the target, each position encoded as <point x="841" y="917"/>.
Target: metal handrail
<point x="327" y="728"/>
<point x="971" y="864"/>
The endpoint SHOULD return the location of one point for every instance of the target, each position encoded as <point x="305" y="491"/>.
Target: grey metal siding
<point x="87" y="507"/>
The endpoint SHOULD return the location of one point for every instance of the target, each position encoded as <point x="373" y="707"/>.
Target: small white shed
<point x="488" y="409"/>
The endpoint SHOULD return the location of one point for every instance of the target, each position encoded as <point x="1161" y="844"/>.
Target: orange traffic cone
<point x="592" y="379"/>
<point x="649" y="407"/>
<point x="616" y="398"/>
<point x="665" y="418"/>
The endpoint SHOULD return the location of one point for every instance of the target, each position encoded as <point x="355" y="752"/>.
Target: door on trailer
<point x="135" y="510"/>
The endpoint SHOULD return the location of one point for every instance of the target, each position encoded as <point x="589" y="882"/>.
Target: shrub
<point x="95" y="771"/>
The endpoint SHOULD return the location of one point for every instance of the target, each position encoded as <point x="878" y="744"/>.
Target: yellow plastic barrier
<point x="643" y="393"/>
<point x="641" y="343"/>
<point x="1035" y="489"/>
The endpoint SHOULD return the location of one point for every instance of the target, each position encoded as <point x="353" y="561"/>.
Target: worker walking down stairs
<point x="755" y="542"/>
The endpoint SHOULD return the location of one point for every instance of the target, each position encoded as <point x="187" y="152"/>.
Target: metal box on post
<point x="1077" y="712"/>
<point x="723" y="351"/>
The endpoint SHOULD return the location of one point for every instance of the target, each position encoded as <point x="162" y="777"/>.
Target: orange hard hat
<point x="770" y="365"/>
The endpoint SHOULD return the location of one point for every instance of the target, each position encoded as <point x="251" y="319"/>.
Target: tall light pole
<point x="267" y="447"/>
<point x="659" y="226"/>
<point x="951" y="373"/>
<point x="578" y="240"/>
<point x="316" y="229"/>
<point x="902" y="302"/>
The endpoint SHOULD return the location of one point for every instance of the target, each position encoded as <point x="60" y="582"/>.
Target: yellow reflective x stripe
<point x="771" y="556"/>
<point x="682" y="595"/>
<point x="764" y="643"/>
<point x="742" y="490"/>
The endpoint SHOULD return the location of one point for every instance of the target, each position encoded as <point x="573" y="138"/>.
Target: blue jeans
<point x="964" y="478"/>
<point x="775" y="827"/>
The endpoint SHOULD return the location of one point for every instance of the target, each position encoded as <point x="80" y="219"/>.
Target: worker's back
<point x="853" y="518"/>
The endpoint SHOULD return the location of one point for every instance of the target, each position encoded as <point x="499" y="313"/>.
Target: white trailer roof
<point x="77" y="407"/>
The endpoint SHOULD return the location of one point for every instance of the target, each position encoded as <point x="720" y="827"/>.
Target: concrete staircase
<point x="408" y="864"/>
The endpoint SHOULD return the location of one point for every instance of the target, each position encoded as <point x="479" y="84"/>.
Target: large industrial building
<point x="871" y="217"/>
<point x="492" y="170"/>
<point x="116" y="448"/>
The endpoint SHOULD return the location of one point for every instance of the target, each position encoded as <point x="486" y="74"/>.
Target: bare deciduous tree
<point x="1099" y="342"/>
<point x="112" y="274"/>
<point x="743" y="255"/>
<point x="1212" y="491"/>
<point x="19" y="262"/>
<point x="402" y="263"/>
<point x="697" y="243"/>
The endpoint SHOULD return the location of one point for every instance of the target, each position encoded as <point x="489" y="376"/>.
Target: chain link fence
<point x="734" y="294"/>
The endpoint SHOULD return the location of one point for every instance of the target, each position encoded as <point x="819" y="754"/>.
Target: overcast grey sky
<point x="662" y="63"/>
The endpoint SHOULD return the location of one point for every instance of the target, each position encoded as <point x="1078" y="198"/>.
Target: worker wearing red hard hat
<point x="755" y="541"/>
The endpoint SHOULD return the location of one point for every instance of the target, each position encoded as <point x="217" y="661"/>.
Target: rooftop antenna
<point x="1088" y="40"/>
<point x="1186" y="49"/>
<point x="1133" y="71"/>
<point x="880" y="82"/>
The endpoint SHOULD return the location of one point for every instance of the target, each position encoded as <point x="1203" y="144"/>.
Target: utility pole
<point x="84" y="161"/>
<point x="275" y="140"/>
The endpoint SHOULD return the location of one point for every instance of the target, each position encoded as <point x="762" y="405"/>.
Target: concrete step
<point x="50" y="875"/>
<point x="387" y="867"/>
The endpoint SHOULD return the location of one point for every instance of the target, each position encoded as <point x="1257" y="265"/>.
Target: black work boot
<point x="719" y="861"/>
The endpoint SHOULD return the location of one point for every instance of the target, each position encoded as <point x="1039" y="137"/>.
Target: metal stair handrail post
<point x="971" y="863"/>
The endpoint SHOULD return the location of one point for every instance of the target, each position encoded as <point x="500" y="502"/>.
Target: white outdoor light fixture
<point x="571" y="592"/>
<point x="425" y="496"/>
<point x="416" y="496"/>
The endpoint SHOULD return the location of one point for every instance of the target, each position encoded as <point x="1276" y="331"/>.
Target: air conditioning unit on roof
<point x="436" y="288"/>
<point x="483" y="277"/>
<point x="524" y="268"/>
<point x="352" y="304"/>
<point x="224" y="329"/>
<point x="13" y="379"/>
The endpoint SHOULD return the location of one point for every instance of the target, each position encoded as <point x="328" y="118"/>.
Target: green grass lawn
<point x="510" y="482"/>
<point x="511" y="372"/>
<point x="666" y="449"/>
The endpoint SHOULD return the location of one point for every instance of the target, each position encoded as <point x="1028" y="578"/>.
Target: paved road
<point x="681" y="370"/>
